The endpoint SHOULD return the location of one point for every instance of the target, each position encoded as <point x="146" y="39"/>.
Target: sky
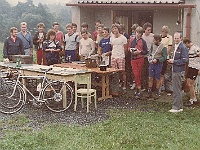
<point x="14" y="2"/>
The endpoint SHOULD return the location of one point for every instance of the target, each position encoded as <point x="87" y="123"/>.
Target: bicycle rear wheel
<point x="58" y="96"/>
<point x="11" y="100"/>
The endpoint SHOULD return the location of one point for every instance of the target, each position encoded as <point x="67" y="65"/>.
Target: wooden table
<point x="57" y="73"/>
<point x="104" y="84"/>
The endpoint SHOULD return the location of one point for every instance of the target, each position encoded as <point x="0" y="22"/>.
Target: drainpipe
<point x="188" y="22"/>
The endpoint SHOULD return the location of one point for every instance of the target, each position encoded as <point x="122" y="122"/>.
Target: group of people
<point x="142" y="57"/>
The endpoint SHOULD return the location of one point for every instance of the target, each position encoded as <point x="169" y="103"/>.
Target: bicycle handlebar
<point x="46" y="70"/>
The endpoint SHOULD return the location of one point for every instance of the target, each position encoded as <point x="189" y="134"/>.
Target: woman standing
<point x="52" y="48"/>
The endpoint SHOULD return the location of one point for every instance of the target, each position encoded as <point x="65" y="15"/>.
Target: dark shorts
<point x="192" y="73"/>
<point x="164" y="67"/>
<point x="155" y="70"/>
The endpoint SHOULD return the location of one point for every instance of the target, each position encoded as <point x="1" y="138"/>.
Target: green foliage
<point x="28" y="12"/>
<point x="126" y="130"/>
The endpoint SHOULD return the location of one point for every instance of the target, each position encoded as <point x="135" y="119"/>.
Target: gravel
<point x="41" y="116"/>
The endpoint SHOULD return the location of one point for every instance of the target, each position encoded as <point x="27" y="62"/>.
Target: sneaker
<point x="124" y="89"/>
<point x="193" y="100"/>
<point x="132" y="86"/>
<point x="138" y="95"/>
<point x="149" y="93"/>
<point x="190" y="102"/>
<point x="175" y="110"/>
<point x="142" y="90"/>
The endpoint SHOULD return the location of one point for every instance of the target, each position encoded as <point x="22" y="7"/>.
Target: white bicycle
<point x="56" y="95"/>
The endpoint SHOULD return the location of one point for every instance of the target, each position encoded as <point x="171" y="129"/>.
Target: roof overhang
<point x="135" y="5"/>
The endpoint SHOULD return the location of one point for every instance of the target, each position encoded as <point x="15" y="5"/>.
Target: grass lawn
<point x="126" y="129"/>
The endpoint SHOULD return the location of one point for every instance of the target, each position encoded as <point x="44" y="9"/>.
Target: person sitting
<point x="52" y="48"/>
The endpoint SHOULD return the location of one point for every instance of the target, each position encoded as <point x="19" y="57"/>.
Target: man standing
<point x="97" y="23"/>
<point x="13" y="45"/>
<point x="59" y="34"/>
<point x="99" y="37"/>
<point x="158" y="54"/>
<point x="84" y="27"/>
<point x="26" y="38"/>
<point x="178" y="62"/>
<point x="148" y="37"/>
<point x="38" y="40"/>
<point x="138" y="51"/>
<point x="71" y="41"/>
<point x="167" y="41"/>
<point x="86" y="46"/>
<point x="119" y="46"/>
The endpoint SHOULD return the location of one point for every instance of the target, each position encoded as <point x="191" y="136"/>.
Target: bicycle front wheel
<point x="58" y="96"/>
<point x="11" y="99"/>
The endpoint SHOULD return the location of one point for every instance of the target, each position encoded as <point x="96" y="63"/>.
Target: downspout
<point x="188" y="22"/>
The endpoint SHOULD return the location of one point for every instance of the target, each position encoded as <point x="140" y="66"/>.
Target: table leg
<point x="105" y="88"/>
<point x="103" y="85"/>
<point x="64" y="96"/>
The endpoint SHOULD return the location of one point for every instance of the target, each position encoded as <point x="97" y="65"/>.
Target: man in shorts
<point x="157" y="55"/>
<point x="193" y="68"/>
<point x="119" y="44"/>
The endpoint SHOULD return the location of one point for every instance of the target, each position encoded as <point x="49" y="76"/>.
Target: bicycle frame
<point x="45" y="81"/>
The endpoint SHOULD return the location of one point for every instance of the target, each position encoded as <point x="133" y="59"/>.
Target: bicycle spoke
<point x="11" y="100"/>
<point x="58" y="96"/>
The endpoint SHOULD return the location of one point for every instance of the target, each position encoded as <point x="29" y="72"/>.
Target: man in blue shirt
<point x="13" y="45"/>
<point x="178" y="62"/>
<point x="26" y="38"/>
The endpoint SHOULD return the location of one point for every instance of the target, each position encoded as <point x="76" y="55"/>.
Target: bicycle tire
<point x="11" y="102"/>
<point x="53" y="95"/>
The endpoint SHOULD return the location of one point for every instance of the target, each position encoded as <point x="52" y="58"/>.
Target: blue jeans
<point x="71" y="53"/>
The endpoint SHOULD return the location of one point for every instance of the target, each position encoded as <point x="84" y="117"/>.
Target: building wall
<point x="195" y="21"/>
<point x="104" y="15"/>
<point x="166" y="17"/>
<point x="160" y="18"/>
<point x="76" y="16"/>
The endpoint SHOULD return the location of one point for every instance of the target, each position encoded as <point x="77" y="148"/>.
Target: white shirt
<point x="194" y="59"/>
<point x="86" y="47"/>
<point x="71" y="41"/>
<point x="118" y="46"/>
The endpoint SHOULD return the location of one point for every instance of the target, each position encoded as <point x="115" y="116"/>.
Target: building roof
<point x="131" y="1"/>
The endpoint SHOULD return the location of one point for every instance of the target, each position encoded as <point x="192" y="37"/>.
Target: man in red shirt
<point x="59" y="37"/>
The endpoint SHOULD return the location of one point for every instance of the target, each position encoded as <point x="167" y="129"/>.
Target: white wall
<point x="195" y="21"/>
<point x="166" y="17"/>
<point x="76" y="16"/>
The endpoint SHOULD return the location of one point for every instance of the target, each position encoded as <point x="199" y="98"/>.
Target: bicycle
<point x="56" y="95"/>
